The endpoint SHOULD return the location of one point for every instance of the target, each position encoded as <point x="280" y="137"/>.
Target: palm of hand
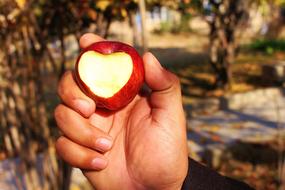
<point x="145" y="152"/>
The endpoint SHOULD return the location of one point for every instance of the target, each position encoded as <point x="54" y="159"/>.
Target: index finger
<point x="73" y="97"/>
<point x="69" y="91"/>
<point x="88" y="39"/>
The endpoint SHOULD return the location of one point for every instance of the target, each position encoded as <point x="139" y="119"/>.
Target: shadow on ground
<point x="192" y="68"/>
<point x="196" y="74"/>
<point x="254" y="153"/>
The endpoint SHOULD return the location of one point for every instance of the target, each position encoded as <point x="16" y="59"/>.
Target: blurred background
<point x="229" y="55"/>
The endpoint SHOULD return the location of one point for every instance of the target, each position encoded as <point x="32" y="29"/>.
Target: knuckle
<point x="60" y="142"/>
<point x="58" y="112"/>
<point x="61" y="89"/>
<point x="175" y="82"/>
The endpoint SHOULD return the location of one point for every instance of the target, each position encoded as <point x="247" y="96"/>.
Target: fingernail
<point x="99" y="163"/>
<point x="82" y="105"/>
<point x="103" y="144"/>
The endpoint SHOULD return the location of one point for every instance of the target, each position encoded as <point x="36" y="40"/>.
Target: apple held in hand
<point x="111" y="73"/>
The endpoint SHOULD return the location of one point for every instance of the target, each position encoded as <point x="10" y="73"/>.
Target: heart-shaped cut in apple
<point x="105" y="75"/>
<point x="111" y="73"/>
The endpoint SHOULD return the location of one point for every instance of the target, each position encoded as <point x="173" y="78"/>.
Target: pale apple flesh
<point x="105" y="75"/>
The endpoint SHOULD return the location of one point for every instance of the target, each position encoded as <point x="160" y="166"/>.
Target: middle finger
<point x="79" y="130"/>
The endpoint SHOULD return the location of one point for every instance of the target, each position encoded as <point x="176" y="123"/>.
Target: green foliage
<point x="187" y="8"/>
<point x="169" y="27"/>
<point x="165" y="27"/>
<point x="268" y="46"/>
<point x="184" y="23"/>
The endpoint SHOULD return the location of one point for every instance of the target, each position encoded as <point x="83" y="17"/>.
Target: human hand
<point x="142" y="146"/>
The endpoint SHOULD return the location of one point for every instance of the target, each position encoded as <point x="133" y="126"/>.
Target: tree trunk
<point x="144" y="32"/>
<point x="99" y="24"/>
<point x="133" y="24"/>
<point x="223" y="27"/>
<point x="107" y="28"/>
<point x="219" y="57"/>
<point x="276" y="22"/>
<point x="62" y="51"/>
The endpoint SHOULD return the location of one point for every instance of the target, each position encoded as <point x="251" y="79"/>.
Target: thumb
<point x="165" y="86"/>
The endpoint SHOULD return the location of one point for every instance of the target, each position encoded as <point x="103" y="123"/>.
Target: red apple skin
<point x="127" y="93"/>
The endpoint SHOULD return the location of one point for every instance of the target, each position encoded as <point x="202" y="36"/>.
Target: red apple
<point x="111" y="73"/>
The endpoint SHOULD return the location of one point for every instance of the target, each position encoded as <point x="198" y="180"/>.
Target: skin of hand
<point x="142" y="146"/>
